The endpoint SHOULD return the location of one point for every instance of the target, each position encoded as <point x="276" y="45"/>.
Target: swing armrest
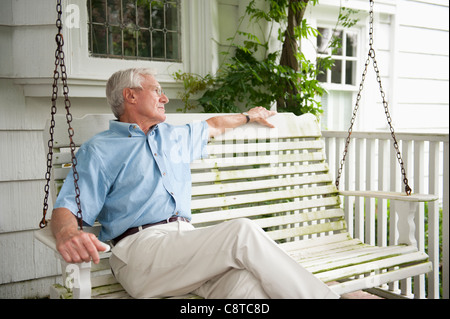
<point x="392" y="195"/>
<point x="76" y="277"/>
<point x="405" y="208"/>
<point x="45" y="236"/>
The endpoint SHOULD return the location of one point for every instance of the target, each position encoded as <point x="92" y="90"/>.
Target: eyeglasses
<point x="159" y="90"/>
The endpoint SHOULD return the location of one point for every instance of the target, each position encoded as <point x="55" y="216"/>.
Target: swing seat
<point x="277" y="177"/>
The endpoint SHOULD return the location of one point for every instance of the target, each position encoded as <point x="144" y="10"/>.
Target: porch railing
<point x="372" y="164"/>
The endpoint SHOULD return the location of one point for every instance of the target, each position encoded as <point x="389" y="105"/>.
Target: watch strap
<point x="247" y="116"/>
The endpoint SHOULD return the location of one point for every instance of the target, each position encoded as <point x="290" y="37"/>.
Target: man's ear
<point x="129" y="95"/>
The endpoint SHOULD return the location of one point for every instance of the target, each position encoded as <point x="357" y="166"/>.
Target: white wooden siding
<point x="422" y="70"/>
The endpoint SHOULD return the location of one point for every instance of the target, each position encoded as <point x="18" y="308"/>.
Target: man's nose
<point x="164" y="99"/>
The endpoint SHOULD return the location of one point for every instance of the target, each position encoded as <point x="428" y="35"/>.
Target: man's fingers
<point x="70" y="252"/>
<point x="262" y="116"/>
<point x="96" y="246"/>
<point x="90" y="249"/>
<point x="69" y="255"/>
<point x="83" y="247"/>
<point x="100" y="246"/>
<point x="265" y="123"/>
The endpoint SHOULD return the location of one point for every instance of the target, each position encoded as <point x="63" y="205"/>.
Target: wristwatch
<point x="247" y="116"/>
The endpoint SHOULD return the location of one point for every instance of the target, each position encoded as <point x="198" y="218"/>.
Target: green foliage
<point x="346" y="17"/>
<point x="245" y="81"/>
<point x="248" y="82"/>
<point x="193" y="84"/>
<point x="345" y="20"/>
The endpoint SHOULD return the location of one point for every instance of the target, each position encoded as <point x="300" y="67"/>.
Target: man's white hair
<point x="130" y="78"/>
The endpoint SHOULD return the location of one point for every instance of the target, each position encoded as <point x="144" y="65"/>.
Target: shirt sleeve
<point x="199" y="140"/>
<point x="93" y="184"/>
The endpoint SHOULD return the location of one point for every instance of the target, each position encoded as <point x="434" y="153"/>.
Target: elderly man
<point x="141" y="196"/>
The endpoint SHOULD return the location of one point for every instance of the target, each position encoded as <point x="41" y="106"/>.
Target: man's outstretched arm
<point x="218" y="124"/>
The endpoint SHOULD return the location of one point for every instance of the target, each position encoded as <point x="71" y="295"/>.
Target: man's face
<point x="151" y="101"/>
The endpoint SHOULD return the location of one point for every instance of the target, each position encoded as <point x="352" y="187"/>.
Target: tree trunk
<point x="290" y="48"/>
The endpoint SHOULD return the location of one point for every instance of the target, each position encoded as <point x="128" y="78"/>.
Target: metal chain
<point x="371" y="56"/>
<point x="59" y="62"/>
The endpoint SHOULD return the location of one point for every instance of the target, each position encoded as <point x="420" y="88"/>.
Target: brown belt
<point x="134" y="230"/>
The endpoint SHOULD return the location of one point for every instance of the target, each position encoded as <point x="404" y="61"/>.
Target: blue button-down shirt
<point x="128" y="179"/>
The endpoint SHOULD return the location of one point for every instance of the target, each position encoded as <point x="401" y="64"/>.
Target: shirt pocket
<point x="179" y="169"/>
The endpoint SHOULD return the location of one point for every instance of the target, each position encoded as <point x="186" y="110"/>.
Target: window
<point x="135" y="29"/>
<point x="340" y="80"/>
<point x="345" y="56"/>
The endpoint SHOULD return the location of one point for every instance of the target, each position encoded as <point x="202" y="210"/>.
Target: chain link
<point x="60" y="63"/>
<point x="372" y="56"/>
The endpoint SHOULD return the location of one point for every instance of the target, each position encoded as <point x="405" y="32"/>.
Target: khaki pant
<point x="235" y="259"/>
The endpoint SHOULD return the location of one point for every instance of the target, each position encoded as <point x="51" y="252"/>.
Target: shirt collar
<point x="128" y="129"/>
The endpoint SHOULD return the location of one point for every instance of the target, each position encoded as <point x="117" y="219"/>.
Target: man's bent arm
<point x="74" y="245"/>
<point x="218" y="124"/>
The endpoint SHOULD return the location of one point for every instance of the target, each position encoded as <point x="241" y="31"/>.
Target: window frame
<point x="335" y="118"/>
<point x="88" y="73"/>
<point x="107" y="25"/>
<point x="357" y="58"/>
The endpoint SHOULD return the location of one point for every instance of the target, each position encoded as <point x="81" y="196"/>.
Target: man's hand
<point x="260" y="114"/>
<point x="74" y="245"/>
